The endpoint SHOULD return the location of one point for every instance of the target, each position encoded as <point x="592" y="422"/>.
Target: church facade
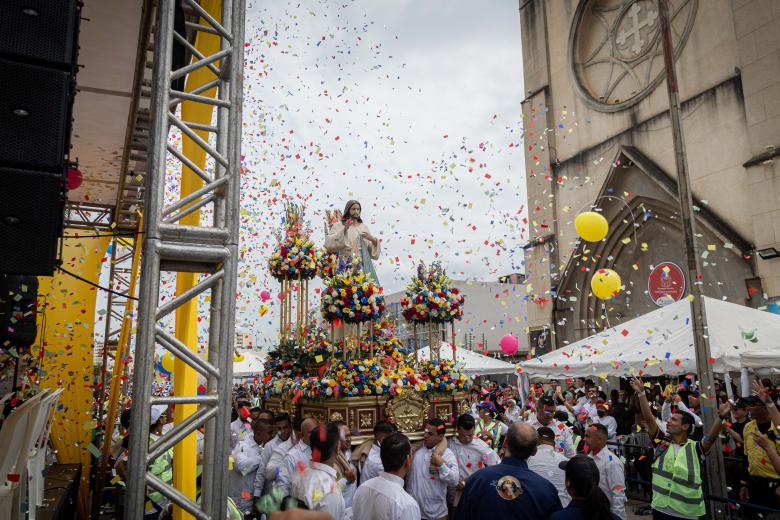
<point x="598" y="137"/>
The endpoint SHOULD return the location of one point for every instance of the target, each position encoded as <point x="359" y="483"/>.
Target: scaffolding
<point x="209" y="250"/>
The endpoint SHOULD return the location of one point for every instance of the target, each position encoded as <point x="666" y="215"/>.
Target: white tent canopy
<point x="250" y="366"/>
<point x="761" y="360"/>
<point x="473" y="363"/>
<point x="661" y="342"/>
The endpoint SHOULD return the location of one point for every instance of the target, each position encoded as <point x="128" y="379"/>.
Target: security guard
<point x="677" y="491"/>
<point x="510" y="489"/>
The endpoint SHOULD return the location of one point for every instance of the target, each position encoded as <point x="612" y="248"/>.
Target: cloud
<point x="411" y="107"/>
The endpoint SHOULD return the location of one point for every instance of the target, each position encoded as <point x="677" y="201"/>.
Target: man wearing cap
<point x="613" y="479"/>
<point x="760" y="480"/>
<point x="488" y="429"/>
<point x="510" y="490"/>
<point x="677" y="489"/>
<point x="162" y="466"/>
<point x="545" y="412"/>
<point x="431" y="473"/>
<point x="472" y="453"/>
<point x="546" y="462"/>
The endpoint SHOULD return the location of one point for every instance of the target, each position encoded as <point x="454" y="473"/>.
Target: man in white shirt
<point x="347" y="473"/>
<point x="607" y="420"/>
<point x="384" y="497"/>
<point x="274" y="467"/>
<point x="430" y="489"/>
<point x="586" y="406"/>
<point x="297" y="459"/>
<point x="666" y="409"/>
<point x="246" y="459"/>
<point x="283" y="430"/>
<point x="512" y="413"/>
<point x="546" y="463"/>
<point x="612" y="480"/>
<point x="471" y="453"/>
<point x="241" y="428"/>
<point x="316" y="486"/>
<point x="372" y="466"/>
<point x="545" y="412"/>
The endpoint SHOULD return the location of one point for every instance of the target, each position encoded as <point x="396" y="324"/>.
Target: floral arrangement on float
<point x="362" y="378"/>
<point x="295" y="257"/>
<point x="351" y="295"/>
<point x="327" y="263"/>
<point x="430" y="297"/>
<point x="441" y="376"/>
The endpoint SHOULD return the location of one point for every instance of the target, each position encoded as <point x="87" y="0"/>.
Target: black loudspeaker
<point x="17" y="311"/>
<point x="38" y="50"/>
<point x="31" y="215"/>
<point x="39" y="31"/>
<point x="34" y="110"/>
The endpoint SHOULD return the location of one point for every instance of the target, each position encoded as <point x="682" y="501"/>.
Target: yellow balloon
<point x="591" y="226"/>
<point x="238" y="358"/>
<point x="605" y="284"/>
<point x="167" y="362"/>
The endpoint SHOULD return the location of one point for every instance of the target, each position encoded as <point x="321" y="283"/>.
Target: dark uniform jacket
<point x="508" y="491"/>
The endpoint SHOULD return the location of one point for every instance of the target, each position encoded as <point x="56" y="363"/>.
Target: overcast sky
<point x="411" y="107"/>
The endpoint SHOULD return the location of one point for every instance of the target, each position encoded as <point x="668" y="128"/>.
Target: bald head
<point x="306" y="427"/>
<point x="521" y="440"/>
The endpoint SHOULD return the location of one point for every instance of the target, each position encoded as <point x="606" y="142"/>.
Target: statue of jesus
<point x="348" y="237"/>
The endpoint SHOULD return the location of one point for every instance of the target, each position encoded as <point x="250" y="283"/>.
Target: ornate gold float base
<point x="409" y="411"/>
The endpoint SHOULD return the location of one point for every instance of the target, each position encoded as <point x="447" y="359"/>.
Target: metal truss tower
<point x="171" y="247"/>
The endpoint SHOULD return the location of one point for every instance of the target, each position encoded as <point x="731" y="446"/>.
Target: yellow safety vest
<point x="677" y="481"/>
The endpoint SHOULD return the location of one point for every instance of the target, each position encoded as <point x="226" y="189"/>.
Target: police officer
<point x="510" y="489"/>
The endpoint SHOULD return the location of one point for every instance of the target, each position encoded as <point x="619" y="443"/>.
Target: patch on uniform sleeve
<point x="509" y="488"/>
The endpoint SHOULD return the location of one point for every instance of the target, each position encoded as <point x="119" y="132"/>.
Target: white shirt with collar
<point x="295" y="462"/>
<point x="384" y="498"/>
<point x="512" y="414"/>
<point x="318" y="489"/>
<point x="430" y="490"/>
<point x="246" y="456"/>
<point x="610" y="424"/>
<point x="563" y="439"/>
<point x="612" y="480"/>
<point x="265" y="457"/>
<point x="274" y="467"/>
<point x="348" y="488"/>
<point x="473" y="456"/>
<point x="239" y="430"/>
<point x="587" y="408"/>
<point x="372" y="467"/>
<point x="545" y="464"/>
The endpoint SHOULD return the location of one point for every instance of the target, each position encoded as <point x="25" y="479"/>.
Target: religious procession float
<point x="350" y="366"/>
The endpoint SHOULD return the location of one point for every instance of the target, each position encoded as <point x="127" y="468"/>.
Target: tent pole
<point x="715" y="467"/>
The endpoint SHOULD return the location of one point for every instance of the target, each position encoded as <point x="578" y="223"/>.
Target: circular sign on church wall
<point x="615" y="49"/>
<point x="666" y="284"/>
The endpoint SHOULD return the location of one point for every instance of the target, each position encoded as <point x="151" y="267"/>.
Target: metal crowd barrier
<point x="638" y="462"/>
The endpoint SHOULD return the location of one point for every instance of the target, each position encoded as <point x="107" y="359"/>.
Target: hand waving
<point x="637" y="384"/>
<point x="761" y="391"/>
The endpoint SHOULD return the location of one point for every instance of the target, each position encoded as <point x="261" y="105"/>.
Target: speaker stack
<point x="38" y="51"/>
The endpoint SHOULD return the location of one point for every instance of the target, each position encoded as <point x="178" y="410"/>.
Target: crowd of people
<point x="564" y="453"/>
